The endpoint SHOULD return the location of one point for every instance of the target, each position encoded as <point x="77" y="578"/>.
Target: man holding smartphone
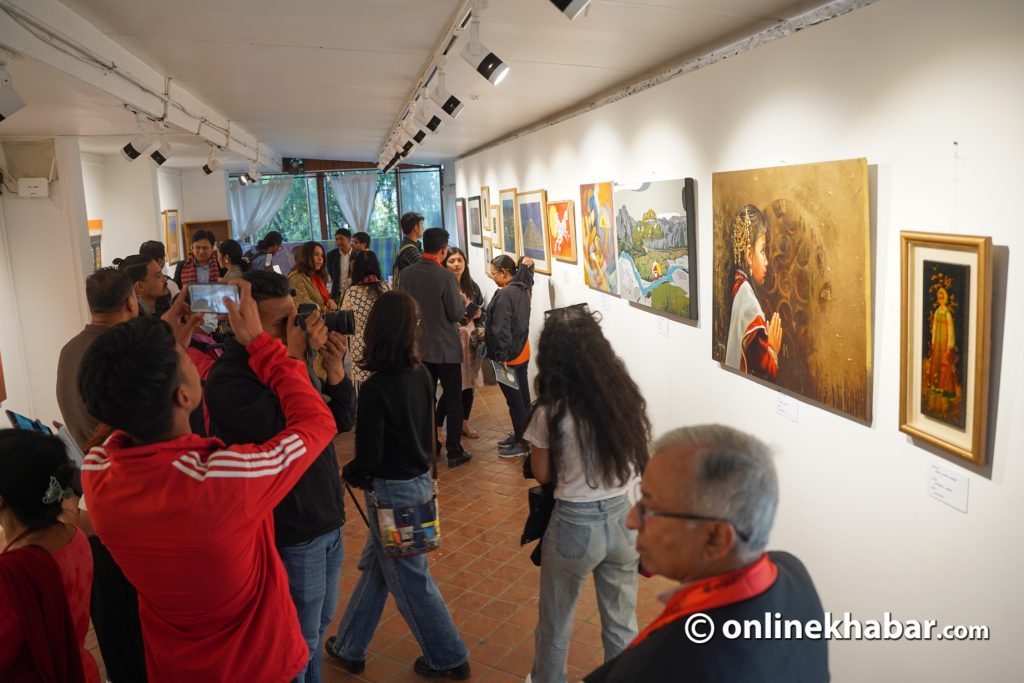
<point x="243" y="408"/>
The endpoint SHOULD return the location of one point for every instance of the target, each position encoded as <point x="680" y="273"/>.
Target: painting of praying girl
<point x="947" y="296"/>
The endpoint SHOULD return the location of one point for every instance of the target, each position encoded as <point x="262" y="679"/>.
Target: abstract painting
<point x="656" y="228"/>
<point x="172" y="236"/>
<point x="509" y="222"/>
<point x="474" y="220"/>
<point x="485" y="207"/>
<point x="532" y="229"/>
<point x="460" y="221"/>
<point x="946" y="287"/>
<point x="562" y="230"/>
<point x="597" y="228"/>
<point x="792" y="280"/>
<point x="493" y="222"/>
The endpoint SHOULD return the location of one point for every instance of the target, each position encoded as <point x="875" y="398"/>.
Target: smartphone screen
<point x="210" y="298"/>
<point x="19" y="421"/>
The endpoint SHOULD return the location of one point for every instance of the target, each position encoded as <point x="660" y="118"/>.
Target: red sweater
<point x="190" y="523"/>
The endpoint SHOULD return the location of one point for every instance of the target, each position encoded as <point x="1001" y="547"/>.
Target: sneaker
<point x="456" y="673"/>
<point x="460" y="459"/>
<point x="514" y="451"/>
<point x="507" y="441"/>
<point x="353" y="666"/>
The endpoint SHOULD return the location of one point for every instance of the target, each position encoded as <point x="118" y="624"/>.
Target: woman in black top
<point x="394" y="448"/>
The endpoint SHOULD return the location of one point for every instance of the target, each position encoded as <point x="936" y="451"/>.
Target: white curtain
<point x="356" y="193"/>
<point x="253" y="206"/>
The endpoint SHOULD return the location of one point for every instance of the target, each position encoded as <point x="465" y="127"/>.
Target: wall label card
<point x="788" y="407"/>
<point x="949" y="486"/>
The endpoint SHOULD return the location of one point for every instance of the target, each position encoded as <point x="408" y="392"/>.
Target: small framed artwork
<point x="509" y="213"/>
<point x="460" y="221"/>
<point x="172" y="236"/>
<point x="562" y="230"/>
<point x="488" y="255"/>
<point x="474" y="220"/>
<point x="3" y="386"/>
<point x="597" y="235"/>
<point x="944" y="341"/>
<point x="492" y="221"/>
<point x="485" y="207"/>
<point x="533" y="231"/>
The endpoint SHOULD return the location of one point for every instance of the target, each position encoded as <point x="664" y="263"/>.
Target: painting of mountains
<point x="532" y="234"/>
<point x="655" y="224"/>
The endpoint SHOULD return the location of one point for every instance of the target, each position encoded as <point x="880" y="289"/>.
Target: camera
<point x="342" y="322"/>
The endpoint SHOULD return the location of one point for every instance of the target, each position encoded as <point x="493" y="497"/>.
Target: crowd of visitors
<point x="202" y="531"/>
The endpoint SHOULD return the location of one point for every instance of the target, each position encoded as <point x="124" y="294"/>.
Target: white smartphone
<point x="210" y="298"/>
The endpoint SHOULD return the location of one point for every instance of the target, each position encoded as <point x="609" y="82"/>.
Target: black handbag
<point x="542" y="504"/>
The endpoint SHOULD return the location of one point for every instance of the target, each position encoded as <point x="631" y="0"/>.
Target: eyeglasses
<point x="644" y="512"/>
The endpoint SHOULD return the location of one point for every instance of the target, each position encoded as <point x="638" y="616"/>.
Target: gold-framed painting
<point x="532" y="235"/>
<point x="562" y="230"/>
<point x="172" y="235"/>
<point x="791" y="280"/>
<point x="493" y="221"/>
<point x="488" y="255"/>
<point x="946" y="309"/>
<point x="509" y="213"/>
<point x="485" y="206"/>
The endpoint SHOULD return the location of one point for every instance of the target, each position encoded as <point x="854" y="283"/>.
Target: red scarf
<point x="188" y="271"/>
<point x="318" y="282"/>
<point x="436" y="258"/>
<point x="35" y="593"/>
<point x="715" y="591"/>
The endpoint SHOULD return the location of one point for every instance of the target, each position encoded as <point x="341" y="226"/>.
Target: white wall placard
<point x="948" y="485"/>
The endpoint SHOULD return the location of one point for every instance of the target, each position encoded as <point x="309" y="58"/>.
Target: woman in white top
<point x="588" y="435"/>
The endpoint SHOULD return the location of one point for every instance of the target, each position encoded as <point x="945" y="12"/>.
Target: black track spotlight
<point x="571" y="8"/>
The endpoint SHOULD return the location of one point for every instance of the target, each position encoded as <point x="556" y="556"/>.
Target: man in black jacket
<point x="337" y="263"/>
<point x="442" y="307"/>
<point x="703" y="514"/>
<point x="308" y="521"/>
<point x="409" y="251"/>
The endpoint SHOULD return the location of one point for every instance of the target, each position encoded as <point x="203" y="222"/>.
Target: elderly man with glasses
<point x="703" y="514"/>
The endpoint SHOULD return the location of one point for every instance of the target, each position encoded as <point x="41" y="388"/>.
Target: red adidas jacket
<point x="190" y="523"/>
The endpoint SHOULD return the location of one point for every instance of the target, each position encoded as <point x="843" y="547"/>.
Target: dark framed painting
<point x="946" y="286"/>
<point x="532" y="235"/>
<point x="509" y="213"/>
<point x="791" y="294"/>
<point x="656" y="227"/>
<point x="460" y="221"/>
<point x="474" y="221"/>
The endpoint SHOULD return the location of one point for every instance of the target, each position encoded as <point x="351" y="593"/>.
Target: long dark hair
<point x="578" y="374"/>
<point x="233" y="251"/>
<point x="466" y="283"/>
<point x="390" y="333"/>
<point x="364" y="264"/>
<point x="304" y="264"/>
<point x="28" y="461"/>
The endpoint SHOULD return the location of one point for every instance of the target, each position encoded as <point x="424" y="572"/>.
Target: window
<point x="421" y="192"/>
<point x="295" y="220"/>
<point x="383" y="220"/>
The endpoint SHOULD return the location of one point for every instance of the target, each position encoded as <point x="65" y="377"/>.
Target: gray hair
<point x="734" y="479"/>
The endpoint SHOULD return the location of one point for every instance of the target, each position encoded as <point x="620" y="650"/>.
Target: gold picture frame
<point x="488" y="255"/>
<point x="508" y="211"/>
<point x="532" y="230"/>
<point x="945" y="312"/>
<point x="172" y="235"/>
<point x="485" y="207"/>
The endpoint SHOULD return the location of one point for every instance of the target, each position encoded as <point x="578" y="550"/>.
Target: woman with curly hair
<point x="588" y="436"/>
<point x="309" y="277"/>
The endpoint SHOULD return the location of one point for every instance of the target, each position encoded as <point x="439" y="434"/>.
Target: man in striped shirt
<point x="188" y="519"/>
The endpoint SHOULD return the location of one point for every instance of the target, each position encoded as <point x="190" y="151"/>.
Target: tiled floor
<point x="487" y="579"/>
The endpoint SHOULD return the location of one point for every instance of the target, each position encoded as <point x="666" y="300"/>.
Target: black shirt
<point x="244" y="410"/>
<point x="668" y="655"/>
<point x="395" y="426"/>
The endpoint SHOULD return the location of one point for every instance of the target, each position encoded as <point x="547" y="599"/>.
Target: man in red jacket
<point x="188" y="519"/>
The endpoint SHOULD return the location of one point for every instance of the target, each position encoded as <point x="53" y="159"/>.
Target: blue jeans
<point x="582" y="538"/>
<point x="314" y="569"/>
<point x="418" y="598"/>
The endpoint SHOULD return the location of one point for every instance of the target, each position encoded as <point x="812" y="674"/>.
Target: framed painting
<point x="597" y="227"/>
<point x="488" y="255"/>
<point x="172" y="236"/>
<point x="944" y="341"/>
<point x="460" y="221"/>
<point x="562" y="230"/>
<point x="656" y="227"/>
<point x="3" y="386"/>
<point x="492" y="221"/>
<point x="792" y="280"/>
<point x="533" y="232"/>
<point x="509" y="222"/>
<point x="485" y="207"/>
<point x="473" y="220"/>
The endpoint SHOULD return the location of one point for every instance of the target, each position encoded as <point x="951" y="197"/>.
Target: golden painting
<point x="792" y="280"/>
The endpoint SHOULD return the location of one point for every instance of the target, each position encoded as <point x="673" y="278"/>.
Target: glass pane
<point x="384" y="221"/>
<point x="314" y="204"/>
<point x="421" y="192"/>
<point x="293" y="218"/>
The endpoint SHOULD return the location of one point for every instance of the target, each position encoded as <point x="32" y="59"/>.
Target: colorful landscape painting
<point x="792" y="280"/>
<point x="562" y="230"/>
<point x="945" y="340"/>
<point x="597" y="225"/>
<point x="532" y="230"/>
<point x="657" y="264"/>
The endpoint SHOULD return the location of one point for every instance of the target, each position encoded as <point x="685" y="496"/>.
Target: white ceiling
<point x="326" y="78"/>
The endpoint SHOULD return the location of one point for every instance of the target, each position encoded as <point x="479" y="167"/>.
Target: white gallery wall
<point x="205" y="197"/>
<point x="929" y="91"/>
<point x="125" y="195"/>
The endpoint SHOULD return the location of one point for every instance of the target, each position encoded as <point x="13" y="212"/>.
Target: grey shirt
<point x="72" y="408"/>
<point x="442" y="307"/>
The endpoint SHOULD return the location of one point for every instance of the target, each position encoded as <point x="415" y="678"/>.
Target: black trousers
<point x="450" y="376"/>
<point x="518" y="400"/>
<point x="467" y="406"/>
<point x="115" y="616"/>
